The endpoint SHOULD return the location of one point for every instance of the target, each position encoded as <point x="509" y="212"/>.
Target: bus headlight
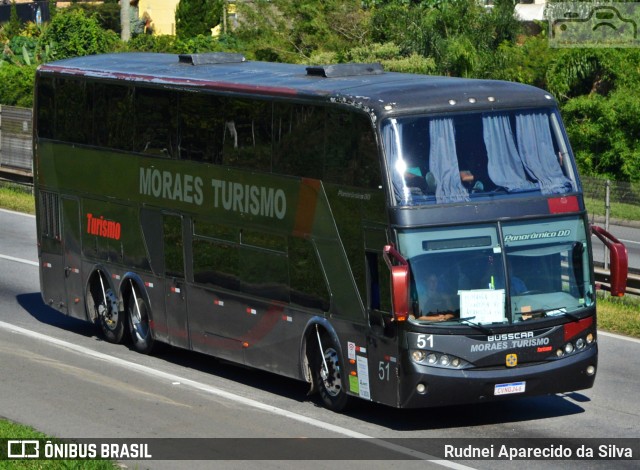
<point x="435" y="359"/>
<point x="568" y="348"/>
<point x="418" y="355"/>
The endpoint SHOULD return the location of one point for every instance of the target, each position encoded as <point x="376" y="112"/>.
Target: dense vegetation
<point x="597" y="88"/>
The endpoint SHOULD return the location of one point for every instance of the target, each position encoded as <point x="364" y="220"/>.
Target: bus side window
<point x="308" y="283"/>
<point x="351" y="156"/>
<point x="201" y="127"/>
<point x="173" y="247"/>
<point x="298" y="140"/>
<point x="379" y="290"/>
<point x="113" y="112"/>
<point x="74" y="111"/>
<point x="247" y="134"/>
<point x="263" y="265"/>
<point x="216" y="255"/>
<point x="45" y="102"/>
<point x="156" y="122"/>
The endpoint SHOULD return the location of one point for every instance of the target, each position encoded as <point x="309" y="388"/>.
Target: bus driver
<point x="433" y="304"/>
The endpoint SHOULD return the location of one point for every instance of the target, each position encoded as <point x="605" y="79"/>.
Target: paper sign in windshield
<point x="484" y="305"/>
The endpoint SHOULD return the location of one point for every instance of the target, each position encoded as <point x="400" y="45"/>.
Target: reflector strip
<point x="574" y="328"/>
<point x="558" y="205"/>
<point x="219" y="303"/>
<point x="149" y="284"/>
<point x="252" y="311"/>
<point x="175" y="290"/>
<point x="116" y="276"/>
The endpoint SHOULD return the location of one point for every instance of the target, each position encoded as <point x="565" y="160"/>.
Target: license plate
<point x="506" y="389"/>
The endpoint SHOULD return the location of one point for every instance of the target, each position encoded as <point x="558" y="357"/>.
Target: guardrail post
<point x="607" y="209"/>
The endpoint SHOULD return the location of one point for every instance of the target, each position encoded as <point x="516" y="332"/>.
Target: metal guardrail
<point x="602" y="279"/>
<point x="16" y="140"/>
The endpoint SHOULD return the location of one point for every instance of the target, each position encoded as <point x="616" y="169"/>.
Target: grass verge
<point x="16" y="198"/>
<point x="619" y="315"/>
<point x="11" y="430"/>
<point x="618" y="210"/>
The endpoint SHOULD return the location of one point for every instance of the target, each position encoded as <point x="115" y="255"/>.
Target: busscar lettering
<point x="171" y="186"/>
<point x="249" y="199"/>
<point x="101" y="227"/>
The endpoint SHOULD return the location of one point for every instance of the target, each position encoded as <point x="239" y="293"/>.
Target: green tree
<point x="18" y="88"/>
<point x="294" y="30"/>
<point x="13" y="27"/>
<point x="197" y="17"/>
<point x="72" y="33"/>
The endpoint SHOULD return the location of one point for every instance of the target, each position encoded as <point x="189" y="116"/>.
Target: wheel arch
<point x="309" y="344"/>
<point x="103" y="271"/>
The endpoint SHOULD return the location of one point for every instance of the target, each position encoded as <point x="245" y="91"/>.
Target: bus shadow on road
<point x="34" y="306"/>
<point x="463" y="416"/>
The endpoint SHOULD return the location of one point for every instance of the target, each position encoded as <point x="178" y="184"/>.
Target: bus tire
<point x="331" y="385"/>
<point x="102" y="308"/>
<point x="139" y="314"/>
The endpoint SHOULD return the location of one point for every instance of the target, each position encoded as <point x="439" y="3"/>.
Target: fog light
<point x="444" y="360"/>
<point x="591" y="370"/>
<point x="580" y="344"/>
<point x="455" y="362"/>
<point x="559" y="353"/>
<point x="590" y="338"/>
<point x="568" y="348"/>
<point x="421" y="388"/>
<point x="432" y="359"/>
<point x="418" y="355"/>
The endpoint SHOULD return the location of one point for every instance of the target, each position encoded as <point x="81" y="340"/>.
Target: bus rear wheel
<point x="329" y="375"/>
<point x="102" y="308"/>
<point x="139" y="323"/>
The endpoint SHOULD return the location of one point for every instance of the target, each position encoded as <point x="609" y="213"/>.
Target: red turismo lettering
<point x="102" y="227"/>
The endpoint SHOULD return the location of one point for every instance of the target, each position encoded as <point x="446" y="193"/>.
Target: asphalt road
<point x="59" y="377"/>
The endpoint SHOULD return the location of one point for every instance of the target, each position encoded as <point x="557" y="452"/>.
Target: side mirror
<point x="619" y="260"/>
<point x="400" y="282"/>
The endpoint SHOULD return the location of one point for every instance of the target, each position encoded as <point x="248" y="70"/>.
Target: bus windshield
<point x="458" y="273"/>
<point x="456" y="157"/>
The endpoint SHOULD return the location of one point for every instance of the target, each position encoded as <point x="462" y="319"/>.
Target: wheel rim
<point x="139" y="320"/>
<point x="333" y="381"/>
<point x="109" y="312"/>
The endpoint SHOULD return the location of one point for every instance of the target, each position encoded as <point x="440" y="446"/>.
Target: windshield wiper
<point x="551" y="312"/>
<point x="484" y="329"/>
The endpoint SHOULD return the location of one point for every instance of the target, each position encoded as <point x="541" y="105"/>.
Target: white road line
<point x="633" y="242"/>
<point x="20" y="260"/>
<point x="613" y="335"/>
<point x="228" y="395"/>
<point x="17" y="213"/>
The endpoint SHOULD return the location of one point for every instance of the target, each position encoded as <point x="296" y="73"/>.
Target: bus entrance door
<point x="175" y="287"/>
<point x="72" y="263"/>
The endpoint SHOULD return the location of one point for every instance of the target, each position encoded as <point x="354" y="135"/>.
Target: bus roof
<point x="364" y="86"/>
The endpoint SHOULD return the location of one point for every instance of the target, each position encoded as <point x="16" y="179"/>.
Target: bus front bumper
<point x="431" y="386"/>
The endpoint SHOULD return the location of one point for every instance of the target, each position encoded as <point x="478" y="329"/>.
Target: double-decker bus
<point x="410" y="240"/>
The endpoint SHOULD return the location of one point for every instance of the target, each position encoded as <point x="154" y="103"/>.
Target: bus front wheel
<point x="139" y="323"/>
<point x="329" y="375"/>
